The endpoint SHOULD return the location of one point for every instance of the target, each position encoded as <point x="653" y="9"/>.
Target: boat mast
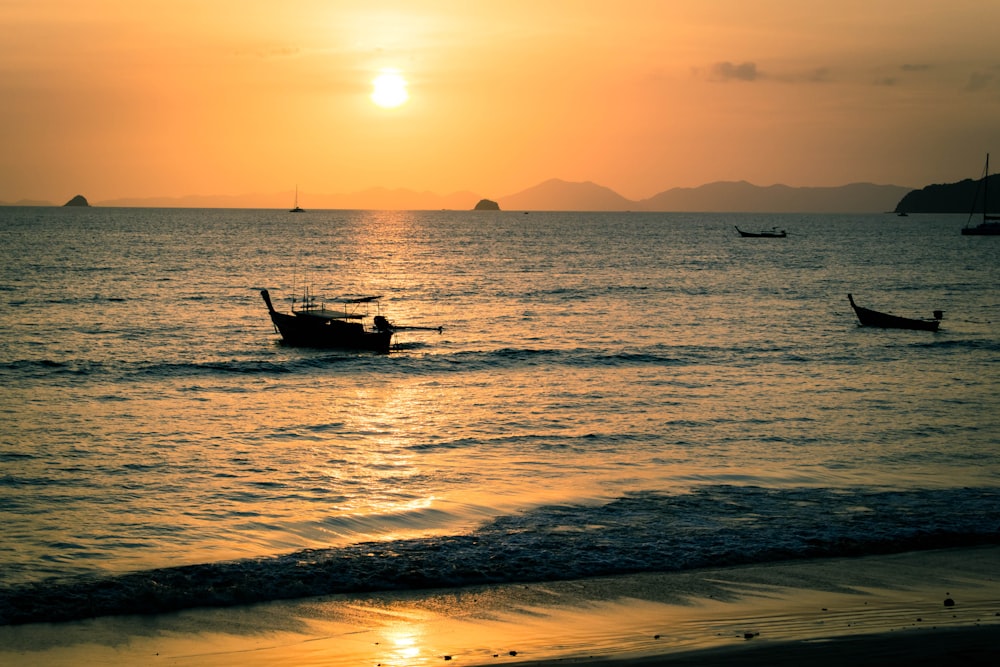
<point x="986" y="194"/>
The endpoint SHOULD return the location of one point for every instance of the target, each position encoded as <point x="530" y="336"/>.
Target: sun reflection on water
<point x="405" y="644"/>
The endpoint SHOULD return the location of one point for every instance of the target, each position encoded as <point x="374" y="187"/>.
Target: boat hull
<point x="874" y="318"/>
<point x="985" y="229"/>
<point x="307" y="332"/>
<point x="762" y="235"/>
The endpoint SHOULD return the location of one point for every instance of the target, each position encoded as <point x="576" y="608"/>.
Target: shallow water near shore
<point x="877" y="610"/>
<point x="612" y="393"/>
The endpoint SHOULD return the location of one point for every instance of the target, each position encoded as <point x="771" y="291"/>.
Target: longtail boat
<point x="873" y="318"/>
<point x="311" y="324"/>
<point x="773" y="233"/>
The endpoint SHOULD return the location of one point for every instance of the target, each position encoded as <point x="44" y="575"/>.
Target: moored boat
<point x="313" y="325"/>
<point x="296" y="208"/>
<point x="773" y="233"/>
<point x="354" y="327"/>
<point x="873" y="318"/>
<point x="990" y="225"/>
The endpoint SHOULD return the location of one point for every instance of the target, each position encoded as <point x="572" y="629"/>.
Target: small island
<point x="78" y="200"/>
<point x="487" y="205"/>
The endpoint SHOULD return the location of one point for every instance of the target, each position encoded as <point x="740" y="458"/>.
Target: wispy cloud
<point x="979" y="81"/>
<point x="747" y="71"/>
<point x="728" y="71"/>
<point x="818" y="75"/>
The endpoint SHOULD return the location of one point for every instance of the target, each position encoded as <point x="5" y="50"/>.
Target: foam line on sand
<point x="937" y="607"/>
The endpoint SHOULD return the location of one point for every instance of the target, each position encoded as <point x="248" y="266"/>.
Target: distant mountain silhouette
<point x="203" y="201"/>
<point x="747" y="198"/>
<point x="713" y="198"/>
<point x="559" y="195"/>
<point x="963" y="197"/>
<point x="372" y="199"/>
<point x="78" y="200"/>
<point x="27" y="202"/>
<point x="399" y="199"/>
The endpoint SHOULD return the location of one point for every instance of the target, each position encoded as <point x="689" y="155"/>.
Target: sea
<point x="610" y="393"/>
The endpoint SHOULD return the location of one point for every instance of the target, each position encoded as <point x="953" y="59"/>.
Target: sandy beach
<point x="881" y="610"/>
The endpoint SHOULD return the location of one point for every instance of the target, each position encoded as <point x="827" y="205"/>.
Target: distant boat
<point x="772" y="233"/>
<point x="990" y="226"/>
<point x="312" y="325"/>
<point x="296" y="209"/>
<point x="873" y="318"/>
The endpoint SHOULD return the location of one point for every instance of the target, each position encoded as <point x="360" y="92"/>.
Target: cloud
<point x="727" y="71"/>
<point x="818" y="75"/>
<point x="747" y="71"/>
<point x="980" y="81"/>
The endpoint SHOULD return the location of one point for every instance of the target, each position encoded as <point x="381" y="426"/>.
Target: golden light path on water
<point x="585" y="359"/>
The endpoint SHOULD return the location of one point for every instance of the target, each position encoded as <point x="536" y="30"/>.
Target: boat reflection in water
<point x="313" y="325"/>
<point x="873" y="318"/>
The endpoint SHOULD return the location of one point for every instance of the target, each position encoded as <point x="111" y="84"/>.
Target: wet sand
<point x="882" y="610"/>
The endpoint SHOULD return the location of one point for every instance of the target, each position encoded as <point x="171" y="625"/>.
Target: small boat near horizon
<point x="990" y="225"/>
<point x="311" y="324"/>
<point x="773" y="233"/>
<point x="874" y="318"/>
<point x="296" y="208"/>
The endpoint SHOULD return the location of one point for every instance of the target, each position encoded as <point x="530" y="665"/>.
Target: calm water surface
<point x="611" y="393"/>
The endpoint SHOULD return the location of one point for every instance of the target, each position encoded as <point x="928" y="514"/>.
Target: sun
<point x="389" y="89"/>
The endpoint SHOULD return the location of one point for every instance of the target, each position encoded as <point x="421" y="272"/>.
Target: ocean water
<point x="611" y="393"/>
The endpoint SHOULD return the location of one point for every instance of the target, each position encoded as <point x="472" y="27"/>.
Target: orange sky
<point x="121" y="98"/>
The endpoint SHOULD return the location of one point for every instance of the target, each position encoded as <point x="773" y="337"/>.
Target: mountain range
<point x="717" y="197"/>
<point x="559" y="195"/>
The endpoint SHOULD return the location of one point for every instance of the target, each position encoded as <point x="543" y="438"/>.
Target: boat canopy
<point x="324" y="314"/>
<point x="363" y="299"/>
<point x="310" y="308"/>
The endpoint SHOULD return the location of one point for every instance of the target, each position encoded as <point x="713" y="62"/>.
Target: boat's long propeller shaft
<point x="400" y="327"/>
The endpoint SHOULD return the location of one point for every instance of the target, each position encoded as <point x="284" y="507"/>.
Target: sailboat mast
<point x="986" y="195"/>
<point x="992" y="220"/>
<point x="296" y="209"/>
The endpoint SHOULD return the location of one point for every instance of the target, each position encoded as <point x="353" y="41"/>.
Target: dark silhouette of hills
<point x="372" y="199"/>
<point x="559" y="195"/>
<point x="27" y="202"/>
<point x="962" y="197"/>
<point x="556" y="195"/>
<point x="78" y="200"/>
<point x="748" y="198"/>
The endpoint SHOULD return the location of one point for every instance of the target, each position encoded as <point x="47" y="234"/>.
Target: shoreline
<point x="872" y="610"/>
<point x="965" y="646"/>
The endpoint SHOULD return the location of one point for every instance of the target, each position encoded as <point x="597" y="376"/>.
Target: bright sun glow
<point x="389" y="89"/>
